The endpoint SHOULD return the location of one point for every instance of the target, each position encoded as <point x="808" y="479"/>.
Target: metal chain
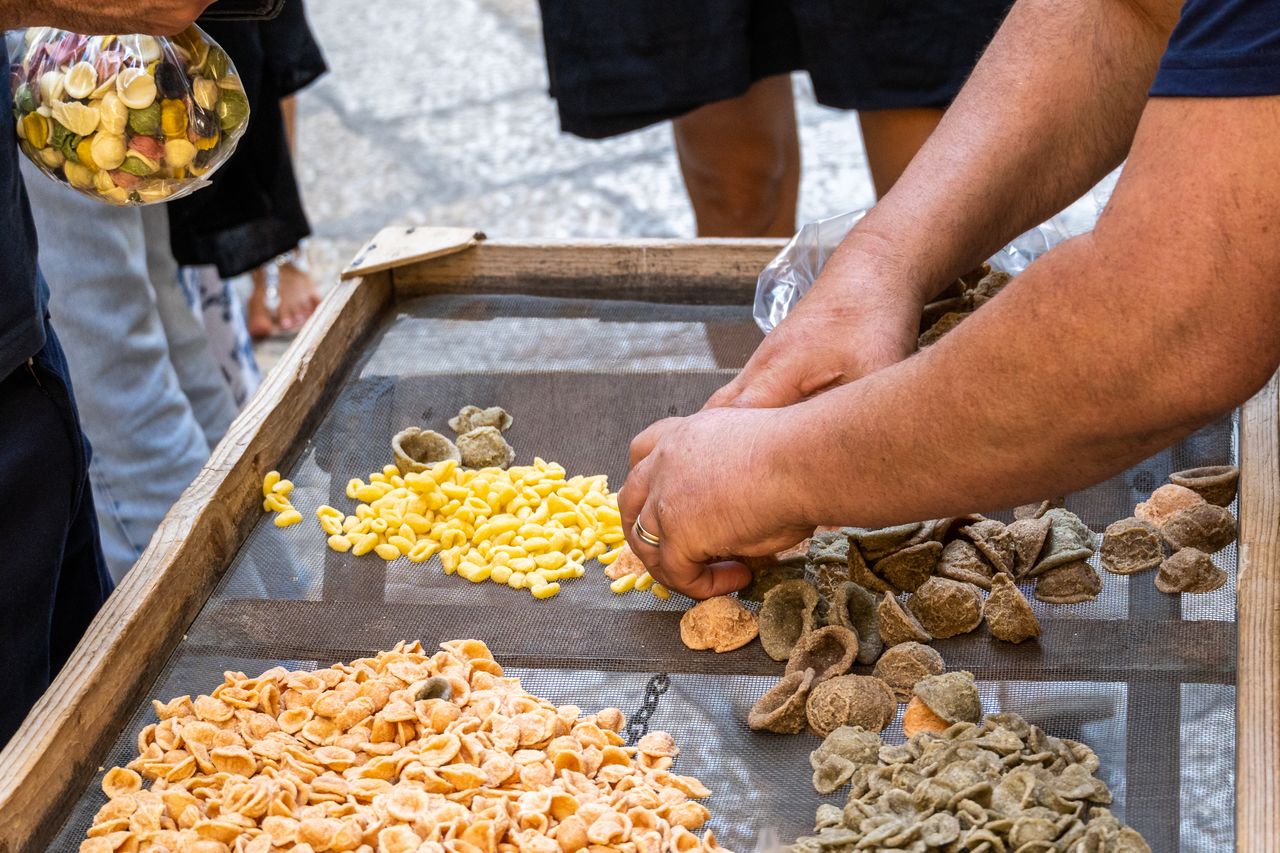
<point x="638" y="724"/>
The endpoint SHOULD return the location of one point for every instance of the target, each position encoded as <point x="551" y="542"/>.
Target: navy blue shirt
<point x="21" y="296"/>
<point x="1223" y="48"/>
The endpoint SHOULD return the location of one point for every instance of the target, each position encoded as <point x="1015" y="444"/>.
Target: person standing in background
<point x="53" y="578"/>
<point x="721" y="70"/>
<point x="152" y="398"/>
<point x="251" y="220"/>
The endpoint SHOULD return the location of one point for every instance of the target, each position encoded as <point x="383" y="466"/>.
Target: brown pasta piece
<point x="945" y="324"/>
<point x="720" y="623"/>
<point x="782" y="708"/>
<point x="1072" y="583"/>
<point x="862" y="575"/>
<point x="850" y="700"/>
<point x="470" y="417"/>
<point x="961" y="561"/>
<point x="910" y="567"/>
<point x="1189" y="570"/>
<point x="1069" y="539"/>
<point x="883" y="541"/>
<point x="1217" y="484"/>
<point x="1203" y="526"/>
<point x="1164" y="502"/>
<point x="919" y="718"/>
<point x="1026" y="538"/>
<point x="906" y="663"/>
<point x="768" y="572"/>
<point x="484" y="447"/>
<point x="1037" y="510"/>
<point x="416" y="449"/>
<point x="946" y="608"/>
<point x="898" y="625"/>
<point x="1129" y="546"/>
<point x="1008" y="614"/>
<point x="989" y="537"/>
<point x="953" y="696"/>
<point x="828" y="651"/>
<point x="855" y="608"/>
<point x="788" y="613"/>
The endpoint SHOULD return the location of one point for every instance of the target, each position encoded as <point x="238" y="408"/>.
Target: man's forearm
<point x="1051" y="108"/>
<point x="1053" y="390"/>
<point x="1107" y="349"/>
<point x="160" y="17"/>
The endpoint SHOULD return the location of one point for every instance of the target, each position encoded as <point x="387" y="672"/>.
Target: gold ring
<point x="646" y="535"/>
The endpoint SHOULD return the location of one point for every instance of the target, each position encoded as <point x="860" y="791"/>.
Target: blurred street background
<point x="437" y="113"/>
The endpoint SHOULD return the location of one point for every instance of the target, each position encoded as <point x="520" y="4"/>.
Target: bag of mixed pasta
<point x="128" y="119"/>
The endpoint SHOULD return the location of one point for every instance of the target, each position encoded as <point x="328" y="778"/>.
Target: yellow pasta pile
<point x="350" y="758"/>
<point x="527" y="527"/>
<point x="275" y="497"/>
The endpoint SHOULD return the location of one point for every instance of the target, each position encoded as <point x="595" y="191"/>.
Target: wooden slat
<point x="51" y="758"/>
<point x="1152" y="723"/>
<point x="1162" y="652"/>
<point x="706" y="271"/>
<point x="1258" y="595"/>
<point x="399" y="245"/>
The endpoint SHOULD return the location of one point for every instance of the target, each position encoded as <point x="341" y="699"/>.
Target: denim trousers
<point x="52" y="577"/>
<point x="152" y="398"/>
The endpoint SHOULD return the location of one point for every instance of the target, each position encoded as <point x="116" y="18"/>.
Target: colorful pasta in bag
<point x="129" y="119"/>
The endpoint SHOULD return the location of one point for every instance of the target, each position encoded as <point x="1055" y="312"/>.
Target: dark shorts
<point x="619" y="66"/>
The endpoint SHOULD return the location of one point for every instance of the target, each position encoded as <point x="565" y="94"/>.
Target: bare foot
<point x="298" y="297"/>
<point x="258" y="312"/>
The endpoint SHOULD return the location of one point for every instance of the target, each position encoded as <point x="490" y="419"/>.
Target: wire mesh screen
<point x="1144" y="678"/>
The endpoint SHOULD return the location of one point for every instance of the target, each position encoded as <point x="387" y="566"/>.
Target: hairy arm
<point x="1051" y="108"/>
<point x="1106" y="350"/>
<point x="159" y="17"/>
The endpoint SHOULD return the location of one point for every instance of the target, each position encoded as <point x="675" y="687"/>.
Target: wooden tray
<point x="60" y="745"/>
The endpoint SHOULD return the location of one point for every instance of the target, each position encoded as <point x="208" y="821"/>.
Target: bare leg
<point x="289" y="110"/>
<point x="741" y="162"/>
<point x="257" y="312"/>
<point x="298" y="294"/>
<point x="892" y="138"/>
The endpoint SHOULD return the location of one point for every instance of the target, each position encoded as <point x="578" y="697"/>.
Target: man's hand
<point x="854" y="321"/>
<point x="712" y="486"/>
<point x="157" y="17"/>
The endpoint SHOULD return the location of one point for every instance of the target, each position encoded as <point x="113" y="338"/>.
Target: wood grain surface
<point x="1258" y="597"/>
<point x="53" y="755"/>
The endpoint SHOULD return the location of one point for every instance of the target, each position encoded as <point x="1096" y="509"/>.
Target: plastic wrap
<point x="788" y="277"/>
<point x="127" y="119"/>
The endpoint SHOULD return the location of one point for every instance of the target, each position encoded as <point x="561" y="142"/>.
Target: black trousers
<point x="53" y="578"/>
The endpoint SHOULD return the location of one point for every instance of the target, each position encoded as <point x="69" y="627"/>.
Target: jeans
<point x="52" y="575"/>
<point x="152" y="398"/>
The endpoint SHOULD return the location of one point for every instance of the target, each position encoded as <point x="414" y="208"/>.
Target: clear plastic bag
<point x="127" y="119"/>
<point x="789" y="276"/>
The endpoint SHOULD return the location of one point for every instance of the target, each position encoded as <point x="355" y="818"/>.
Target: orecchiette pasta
<point x="350" y="758"/>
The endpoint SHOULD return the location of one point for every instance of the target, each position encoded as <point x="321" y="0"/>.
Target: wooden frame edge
<point x="1258" y="624"/>
<point x="395" y="246"/>
<point x="53" y="754"/>
<point x="648" y="268"/>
